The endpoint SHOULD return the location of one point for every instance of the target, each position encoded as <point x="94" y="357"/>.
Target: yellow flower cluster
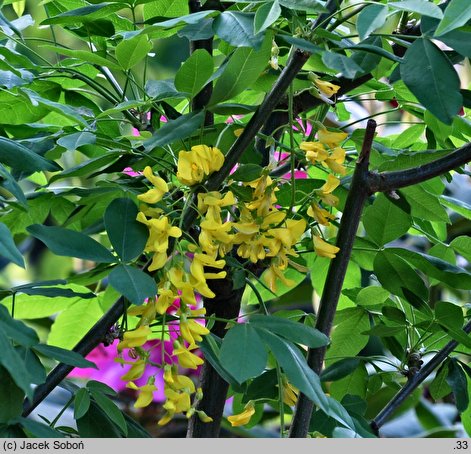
<point x="195" y="165"/>
<point x="327" y="152"/>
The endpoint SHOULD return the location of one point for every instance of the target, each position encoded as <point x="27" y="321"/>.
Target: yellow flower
<point x="135" y="338"/>
<point x="324" y="249"/>
<point x="186" y="359"/>
<point x="146" y="393"/>
<point x="190" y="329"/>
<point x="193" y="166"/>
<point x="273" y="274"/>
<point x="325" y="191"/>
<point x="290" y="393"/>
<point x="242" y="418"/>
<point x="212" y="202"/>
<point x="315" y="151"/>
<point x="320" y="215"/>
<point x="331" y="139"/>
<point x="327" y="88"/>
<point x="165" y="300"/>
<point x="160" y="230"/>
<point x="136" y="371"/>
<point x="147" y="312"/>
<point x="335" y="161"/>
<point x="160" y="188"/>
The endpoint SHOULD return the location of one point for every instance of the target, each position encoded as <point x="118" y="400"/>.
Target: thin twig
<point x="414" y="382"/>
<point x="336" y="274"/>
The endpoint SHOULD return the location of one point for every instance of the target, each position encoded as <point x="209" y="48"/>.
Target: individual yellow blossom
<point x="147" y="312"/>
<point x="331" y="139"/>
<point x="335" y="161"/>
<point x="242" y="418"/>
<point x="324" y="249"/>
<point x="212" y="202"/>
<point x="136" y="370"/>
<point x="146" y="393"/>
<point x="181" y="281"/>
<point x="320" y="215"/>
<point x="195" y="165"/>
<point x="160" y="230"/>
<point x="273" y="274"/>
<point x="165" y="300"/>
<point x="325" y="191"/>
<point x="190" y="329"/>
<point x="135" y="338"/>
<point x="215" y="238"/>
<point x="186" y="359"/>
<point x="327" y="88"/>
<point x="201" y="260"/>
<point x="160" y="188"/>
<point x="315" y="151"/>
<point x="290" y="393"/>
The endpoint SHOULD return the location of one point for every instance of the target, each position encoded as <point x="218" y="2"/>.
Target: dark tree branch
<point x="415" y="381"/>
<point x="226" y="305"/>
<point x="338" y="267"/>
<point x="388" y="181"/>
<point x="95" y="336"/>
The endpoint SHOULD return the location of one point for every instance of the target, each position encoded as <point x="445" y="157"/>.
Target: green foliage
<point x="93" y="91"/>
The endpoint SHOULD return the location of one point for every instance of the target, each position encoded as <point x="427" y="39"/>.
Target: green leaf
<point x="294" y="331"/>
<point x="195" y="72"/>
<point x="457" y="13"/>
<point x="382" y="330"/>
<point x="424" y="205"/>
<point x="354" y="384"/>
<point x="20" y="158"/>
<point x="266" y="15"/>
<point x="342" y="64"/>
<point x="165" y="8"/>
<point x="340" y="369"/>
<point x="313" y="6"/>
<point x="417" y="302"/>
<point x="449" y="314"/>
<point x="73" y="323"/>
<point x="8" y="247"/>
<point x="394" y="273"/>
<point x="11" y="397"/>
<point x="84" y="14"/>
<point x="81" y="403"/>
<point x="409" y="136"/>
<point x="301" y="43"/>
<point x="422" y="7"/>
<point x="84" y="55"/>
<point x="173" y="130"/>
<point x="384" y="221"/>
<point x="462" y="245"/>
<point x="96" y="424"/>
<point x="295" y="367"/>
<point x="458" y="206"/>
<point x="12" y="362"/>
<point x="242" y="70"/>
<point x="132" y="283"/>
<point x="210" y="347"/>
<point x="130" y="52"/>
<point x="371" y="18"/>
<point x="371" y="296"/>
<point x="450" y="274"/>
<point x="38" y="429"/>
<point x="127" y="235"/>
<point x="73" y="141"/>
<point x="70" y="243"/>
<point x="437" y="88"/>
<point x="247" y="172"/>
<point x="64" y="356"/>
<point x="17" y="330"/>
<point x="100" y="387"/>
<point x="242" y="352"/>
<point x="456" y="378"/>
<point x="33" y="364"/>
<point x="111" y="410"/>
<point x="347" y="338"/>
<point x="439" y="387"/>
<point x="191" y="19"/>
<point x="237" y="29"/>
<point x="9" y="183"/>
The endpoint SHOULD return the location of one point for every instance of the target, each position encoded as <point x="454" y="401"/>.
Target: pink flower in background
<point x="130" y="172"/>
<point x="306" y="129"/>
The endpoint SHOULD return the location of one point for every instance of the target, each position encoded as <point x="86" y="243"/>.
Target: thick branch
<point x="336" y="274"/>
<point x="226" y="305"/>
<point x="415" y="381"/>
<point x="84" y="347"/>
<point x="388" y="181"/>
